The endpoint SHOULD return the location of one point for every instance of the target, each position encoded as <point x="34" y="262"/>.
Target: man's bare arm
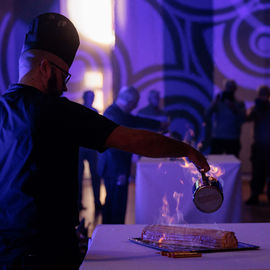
<point x="150" y="144"/>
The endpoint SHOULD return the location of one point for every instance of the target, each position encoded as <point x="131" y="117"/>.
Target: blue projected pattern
<point x="184" y="49"/>
<point x="202" y="46"/>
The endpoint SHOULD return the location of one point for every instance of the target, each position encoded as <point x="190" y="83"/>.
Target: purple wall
<point x="184" y="49"/>
<point x="15" y="15"/>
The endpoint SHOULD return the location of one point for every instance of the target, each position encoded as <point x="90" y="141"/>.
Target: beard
<point x="52" y="85"/>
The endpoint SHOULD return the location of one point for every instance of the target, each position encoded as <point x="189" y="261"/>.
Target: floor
<point x="259" y="213"/>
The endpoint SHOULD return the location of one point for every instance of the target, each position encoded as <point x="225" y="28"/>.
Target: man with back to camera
<point x="40" y="135"/>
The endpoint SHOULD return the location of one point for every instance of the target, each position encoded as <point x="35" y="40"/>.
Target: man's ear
<point x="45" y="69"/>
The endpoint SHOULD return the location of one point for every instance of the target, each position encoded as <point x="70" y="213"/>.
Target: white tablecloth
<point x="156" y="178"/>
<point x="110" y="249"/>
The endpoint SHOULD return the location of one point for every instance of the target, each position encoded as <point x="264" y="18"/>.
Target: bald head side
<point x="43" y="71"/>
<point x="30" y="60"/>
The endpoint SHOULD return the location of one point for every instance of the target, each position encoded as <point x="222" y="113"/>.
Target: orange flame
<point x="165" y="210"/>
<point x="165" y="207"/>
<point x="193" y="179"/>
<point x="162" y="238"/>
<point x="189" y="165"/>
<point x="177" y="196"/>
<point x="189" y="136"/>
<point x="181" y="182"/>
<point x="179" y="214"/>
<point x="186" y="163"/>
<point x="216" y="171"/>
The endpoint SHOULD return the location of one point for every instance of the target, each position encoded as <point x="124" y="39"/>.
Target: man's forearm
<point x="146" y="143"/>
<point x="150" y="144"/>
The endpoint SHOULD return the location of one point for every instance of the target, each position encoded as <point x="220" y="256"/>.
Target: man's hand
<point x="199" y="160"/>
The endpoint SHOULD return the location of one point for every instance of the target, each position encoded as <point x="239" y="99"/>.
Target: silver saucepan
<point x="207" y="194"/>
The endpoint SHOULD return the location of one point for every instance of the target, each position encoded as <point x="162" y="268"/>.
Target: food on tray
<point x="187" y="236"/>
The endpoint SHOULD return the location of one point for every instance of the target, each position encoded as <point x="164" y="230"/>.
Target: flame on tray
<point x="166" y="218"/>
<point x="178" y="217"/>
<point x="161" y="238"/>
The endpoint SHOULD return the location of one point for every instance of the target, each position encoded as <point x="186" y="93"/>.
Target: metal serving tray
<point x="174" y="248"/>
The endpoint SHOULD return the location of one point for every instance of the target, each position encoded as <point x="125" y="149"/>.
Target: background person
<point x="91" y="156"/>
<point x="115" y="165"/>
<point x="260" y="151"/>
<point x="153" y="110"/>
<point x="226" y="115"/>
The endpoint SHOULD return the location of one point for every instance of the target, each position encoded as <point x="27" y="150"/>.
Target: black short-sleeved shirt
<point x="39" y="140"/>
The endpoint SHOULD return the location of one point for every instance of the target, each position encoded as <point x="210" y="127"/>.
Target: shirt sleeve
<point x="86" y="126"/>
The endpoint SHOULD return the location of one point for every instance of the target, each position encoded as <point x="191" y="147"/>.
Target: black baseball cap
<point x="54" y="33"/>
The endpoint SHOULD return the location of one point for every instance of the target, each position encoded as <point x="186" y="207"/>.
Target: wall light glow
<point x="93" y="19"/>
<point x="98" y="101"/>
<point x="94" y="80"/>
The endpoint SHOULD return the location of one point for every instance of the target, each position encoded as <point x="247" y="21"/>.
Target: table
<point x="158" y="179"/>
<point x="110" y="249"/>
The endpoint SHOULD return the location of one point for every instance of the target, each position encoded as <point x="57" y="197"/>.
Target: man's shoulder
<point x="150" y="111"/>
<point x="144" y="109"/>
<point x="18" y="89"/>
<point x="240" y="103"/>
<point x="112" y="109"/>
